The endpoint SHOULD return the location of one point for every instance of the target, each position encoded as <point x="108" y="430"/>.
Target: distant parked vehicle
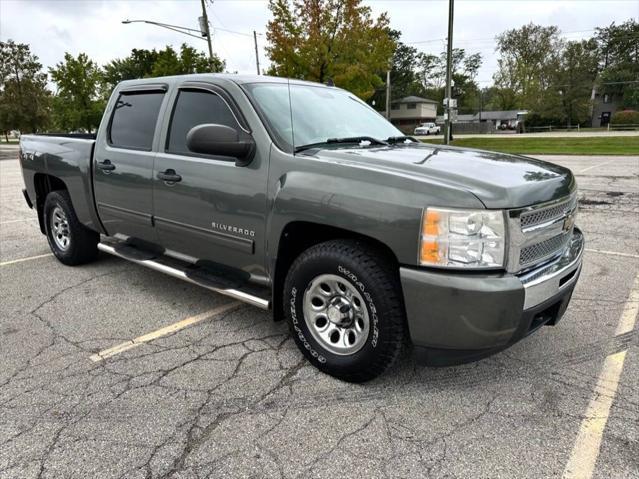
<point x="427" y="129"/>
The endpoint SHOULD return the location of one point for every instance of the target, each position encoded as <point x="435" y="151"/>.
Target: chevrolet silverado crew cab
<point x="300" y="198"/>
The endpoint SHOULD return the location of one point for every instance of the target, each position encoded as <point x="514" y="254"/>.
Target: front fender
<point x="385" y="213"/>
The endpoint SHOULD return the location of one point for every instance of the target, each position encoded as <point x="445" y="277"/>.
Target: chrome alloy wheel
<point x="335" y="314"/>
<point x="60" y="228"/>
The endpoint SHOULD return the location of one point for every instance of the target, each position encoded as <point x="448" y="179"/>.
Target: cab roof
<point x="235" y="78"/>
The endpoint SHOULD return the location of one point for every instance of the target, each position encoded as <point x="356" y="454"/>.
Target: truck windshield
<point x="315" y="114"/>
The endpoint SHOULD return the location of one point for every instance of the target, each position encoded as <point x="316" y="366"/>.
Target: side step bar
<point x="187" y="273"/>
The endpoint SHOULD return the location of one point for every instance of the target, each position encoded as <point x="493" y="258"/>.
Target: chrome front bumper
<point x="484" y="312"/>
<point x="547" y="280"/>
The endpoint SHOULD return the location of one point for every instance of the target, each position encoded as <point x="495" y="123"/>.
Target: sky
<point x="53" y="27"/>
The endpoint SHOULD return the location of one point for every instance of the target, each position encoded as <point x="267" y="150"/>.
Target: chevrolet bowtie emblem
<point x="569" y="222"/>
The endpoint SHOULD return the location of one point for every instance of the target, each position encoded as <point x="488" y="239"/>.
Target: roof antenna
<point x="290" y="107"/>
<point x="330" y="82"/>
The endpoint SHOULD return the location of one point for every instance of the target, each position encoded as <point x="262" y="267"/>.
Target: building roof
<point x="500" y="115"/>
<point x="414" y="99"/>
<point x="488" y="115"/>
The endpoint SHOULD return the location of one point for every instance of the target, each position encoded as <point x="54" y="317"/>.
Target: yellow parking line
<point x="20" y="260"/>
<point x="172" y="328"/>
<point x="630" y="310"/>
<point x="613" y="253"/>
<point x="581" y="464"/>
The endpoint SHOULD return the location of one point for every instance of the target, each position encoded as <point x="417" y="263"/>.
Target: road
<point x="230" y="396"/>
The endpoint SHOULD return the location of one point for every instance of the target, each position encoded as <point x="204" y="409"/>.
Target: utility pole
<point x="388" y="94"/>
<point x="206" y="28"/>
<point x="257" y="56"/>
<point x="449" y="71"/>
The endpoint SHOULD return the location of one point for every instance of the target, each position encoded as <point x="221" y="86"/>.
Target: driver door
<point x="213" y="211"/>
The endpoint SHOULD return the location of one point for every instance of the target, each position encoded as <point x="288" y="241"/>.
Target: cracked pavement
<point x="233" y="397"/>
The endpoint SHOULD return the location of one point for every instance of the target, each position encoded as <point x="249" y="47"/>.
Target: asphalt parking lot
<point x="230" y="396"/>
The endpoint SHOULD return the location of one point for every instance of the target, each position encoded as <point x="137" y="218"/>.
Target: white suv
<point x="427" y="129"/>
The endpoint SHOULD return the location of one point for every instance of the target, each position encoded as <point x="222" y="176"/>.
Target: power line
<point x="494" y="38"/>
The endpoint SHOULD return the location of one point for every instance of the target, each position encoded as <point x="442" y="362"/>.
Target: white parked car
<point x="427" y="129"/>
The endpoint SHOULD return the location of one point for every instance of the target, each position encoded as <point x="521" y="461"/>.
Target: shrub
<point x="625" y="117"/>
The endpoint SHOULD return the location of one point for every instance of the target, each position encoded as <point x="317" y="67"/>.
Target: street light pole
<point x="207" y="29"/>
<point x="175" y="28"/>
<point x="449" y="71"/>
<point x="257" y="56"/>
<point x="388" y="95"/>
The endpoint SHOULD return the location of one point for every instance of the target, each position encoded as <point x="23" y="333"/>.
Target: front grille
<point x="542" y="250"/>
<point x="536" y="217"/>
<point x="539" y="233"/>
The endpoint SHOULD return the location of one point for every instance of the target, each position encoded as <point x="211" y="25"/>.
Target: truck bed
<point x="67" y="158"/>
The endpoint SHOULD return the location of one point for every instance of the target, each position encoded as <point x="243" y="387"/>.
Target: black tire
<point x="82" y="242"/>
<point x="370" y="274"/>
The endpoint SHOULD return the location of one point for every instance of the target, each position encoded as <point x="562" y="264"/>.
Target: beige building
<point x="412" y="111"/>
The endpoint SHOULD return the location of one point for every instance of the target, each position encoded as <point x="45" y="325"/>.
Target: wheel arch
<point x="298" y="236"/>
<point x="45" y="184"/>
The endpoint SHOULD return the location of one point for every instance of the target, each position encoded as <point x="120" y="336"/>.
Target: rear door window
<point x="134" y="119"/>
<point x="192" y="108"/>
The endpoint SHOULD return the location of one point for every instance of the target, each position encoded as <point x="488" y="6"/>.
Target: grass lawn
<point x="607" y="145"/>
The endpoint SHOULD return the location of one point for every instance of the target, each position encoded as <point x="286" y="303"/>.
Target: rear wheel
<point x="70" y="241"/>
<point x="343" y="305"/>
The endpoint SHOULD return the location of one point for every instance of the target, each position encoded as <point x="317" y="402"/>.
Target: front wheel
<point x="70" y="241"/>
<point x="344" y="308"/>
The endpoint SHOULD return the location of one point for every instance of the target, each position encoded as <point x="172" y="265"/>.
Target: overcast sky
<point x="52" y="27"/>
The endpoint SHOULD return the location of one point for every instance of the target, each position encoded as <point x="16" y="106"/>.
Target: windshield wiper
<point x="393" y="140"/>
<point x="351" y="140"/>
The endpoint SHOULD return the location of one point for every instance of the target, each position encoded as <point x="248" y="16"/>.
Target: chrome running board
<point x="242" y="291"/>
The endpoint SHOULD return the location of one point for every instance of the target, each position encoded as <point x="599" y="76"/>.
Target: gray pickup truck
<point x="298" y="197"/>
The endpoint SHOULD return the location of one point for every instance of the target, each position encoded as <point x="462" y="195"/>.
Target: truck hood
<point x="498" y="180"/>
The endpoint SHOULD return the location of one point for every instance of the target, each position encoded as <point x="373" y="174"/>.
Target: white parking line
<point x="581" y="464"/>
<point x="172" y="328"/>
<point x="17" y="221"/>
<point x="595" y="166"/>
<point x="612" y="253"/>
<point x="20" y="260"/>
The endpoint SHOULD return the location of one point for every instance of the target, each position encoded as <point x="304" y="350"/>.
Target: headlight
<point x="462" y="238"/>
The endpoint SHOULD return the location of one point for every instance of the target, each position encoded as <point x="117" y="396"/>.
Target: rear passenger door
<point x="216" y="211"/>
<point x="123" y="163"/>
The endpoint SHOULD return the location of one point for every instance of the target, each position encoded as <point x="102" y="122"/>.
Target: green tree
<point x="139" y="64"/>
<point x="318" y="40"/>
<point x="24" y="98"/>
<point x="403" y="74"/>
<point x="432" y="73"/>
<point x="79" y="102"/>
<point x="187" y="60"/>
<point x="149" y="63"/>
<point x="496" y="98"/>
<point x="528" y="62"/>
<point x="619" y="53"/>
<point x="575" y="78"/>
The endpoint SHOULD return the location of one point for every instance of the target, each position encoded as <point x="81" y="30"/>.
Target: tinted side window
<point x="134" y="119"/>
<point x="192" y="108"/>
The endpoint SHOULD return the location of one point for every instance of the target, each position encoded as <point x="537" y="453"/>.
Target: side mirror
<point x="213" y="139"/>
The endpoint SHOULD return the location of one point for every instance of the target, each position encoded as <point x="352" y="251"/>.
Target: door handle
<point x="170" y="176"/>
<point x="106" y="165"/>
